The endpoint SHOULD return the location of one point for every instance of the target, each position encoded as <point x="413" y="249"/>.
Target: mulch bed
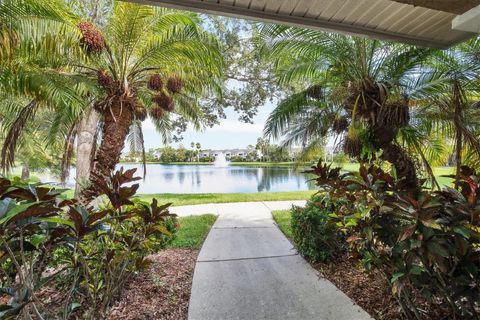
<point x="162" y="292"/>
<point x="369" y="290"/>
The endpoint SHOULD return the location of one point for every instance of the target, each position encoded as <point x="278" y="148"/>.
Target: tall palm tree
<point x="35" y="42"/>
<point x="147" y="61"/>
<point x="358" y="93"/>
<point x="33" y="153"/>
<point x="447" y="95"/>
<point x="198" y="146"/>
<point x="144" y="62"/>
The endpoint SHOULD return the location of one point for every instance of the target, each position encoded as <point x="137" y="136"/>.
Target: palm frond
<point x="137" y="143"/>
<point x="67" y="154"/>
<point x="7" y="160"/>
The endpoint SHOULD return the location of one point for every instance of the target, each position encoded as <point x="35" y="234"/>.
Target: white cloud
<point x="231" y="126"/>
<point x="148" y="125"/>
<point x="228" y="126"/>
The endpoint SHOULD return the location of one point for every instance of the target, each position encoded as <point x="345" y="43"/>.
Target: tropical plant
<point x="87" y="254"/>
<point x="146" y="60"/>
<point x="314" y="233"/>
<point x="446" y="95"/>
<point x="31" y="153"/>
<point x="143" y="61"/>
<point x="358" y="93"/>
<point x="37" y="38"/>
<point x="426" y="245"/>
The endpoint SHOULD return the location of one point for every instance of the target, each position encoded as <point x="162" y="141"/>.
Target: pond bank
<point x="202" y="198"/>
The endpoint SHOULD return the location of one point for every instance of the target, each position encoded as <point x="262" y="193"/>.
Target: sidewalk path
<point x="217" y="208"/>
<point x="247" y="270"/>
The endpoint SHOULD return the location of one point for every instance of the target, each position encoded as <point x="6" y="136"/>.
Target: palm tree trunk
<point x="25" y="172"/>
<point x="116" y="125"/>
<point x="458" y="120"/>
<point x="458" y="156"/>
<point x="384" y="139"/>
<point x="86" y="140"/>
<point x="404" y="166"/>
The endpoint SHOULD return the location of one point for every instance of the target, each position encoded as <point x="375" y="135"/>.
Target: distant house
<point x="156" y="154"/>
<point x="229" y="153"/>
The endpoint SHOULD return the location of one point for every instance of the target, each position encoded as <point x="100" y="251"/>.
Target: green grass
<point x="438" y="172"/>
<point x="193" y="231"/>
<point x="283" y="219"/>
<point x="200" y="198"/>
<point x="442" y="181"/>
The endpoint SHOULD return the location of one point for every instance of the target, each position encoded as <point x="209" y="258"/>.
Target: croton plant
<point x="87" y="254"/>
<point x="426" y="245"/>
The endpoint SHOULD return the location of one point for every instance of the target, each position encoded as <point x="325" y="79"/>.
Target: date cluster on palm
<point x="163" y="99"/>
<point x="92" y="38"/>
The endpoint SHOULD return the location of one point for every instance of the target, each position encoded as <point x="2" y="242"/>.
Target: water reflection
<point x="210" y="179"/>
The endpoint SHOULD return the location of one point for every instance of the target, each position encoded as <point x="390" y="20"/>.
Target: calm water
<point x="209" y="179"/>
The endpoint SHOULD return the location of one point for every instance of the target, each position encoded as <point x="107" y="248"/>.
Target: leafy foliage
<point x="428" y="244"/>
<point x="313" y="232"/>
<point x="415" y="105"/>
<point x="89" y="252"/>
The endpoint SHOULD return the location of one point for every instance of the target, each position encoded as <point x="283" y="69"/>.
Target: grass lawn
<point x="283" y="219"/>
<point x="438" y="171"/>
<point x="193" y="231"/>
<point x="188" y="199"/>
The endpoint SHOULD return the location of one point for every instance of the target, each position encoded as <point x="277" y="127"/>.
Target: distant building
<point x="229" y="153"/>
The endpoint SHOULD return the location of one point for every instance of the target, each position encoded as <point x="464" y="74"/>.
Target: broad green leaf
<point x="462" y="231"/>
<point x="396" y="276"/>
<point x="6" y="205"/>
<point x="59" y="221"/>
<point x="416" y="270"/>
<point x="37" y="239"/>
<point x="15" y="211"/>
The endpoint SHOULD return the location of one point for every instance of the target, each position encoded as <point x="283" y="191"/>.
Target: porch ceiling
<point x="420" y="22"/>
<point x="453" y="6"/>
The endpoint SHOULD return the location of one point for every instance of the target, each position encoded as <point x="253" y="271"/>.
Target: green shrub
<point x="88" y="254"/>
<point x="426" y="243"/>
<point x="313" y="233"/>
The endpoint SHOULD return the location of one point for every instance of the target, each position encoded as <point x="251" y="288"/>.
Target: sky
<point x="229" y="134"/>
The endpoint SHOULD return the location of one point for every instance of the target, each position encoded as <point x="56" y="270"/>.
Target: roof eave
<point x="322" y="25"/>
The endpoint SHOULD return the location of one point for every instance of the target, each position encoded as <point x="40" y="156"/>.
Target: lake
<point x="163" y="178"/>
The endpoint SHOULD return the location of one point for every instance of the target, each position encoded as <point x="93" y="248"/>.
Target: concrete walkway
<point x="218" y="208"/>
<point x="248" y="270"/>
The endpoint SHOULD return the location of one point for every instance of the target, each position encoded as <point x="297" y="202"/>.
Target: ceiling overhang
<point x="452" y="6"/>
<point x="469" y="21"/>
<point x="419" y="22"/>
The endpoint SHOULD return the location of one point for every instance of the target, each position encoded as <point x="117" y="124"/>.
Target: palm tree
<point x="447" y="95"/>
<point x="358" y="93"/>
<point x="146" y="61"/>
<point x="32" y="153"/>
<point x="303" y="119"/>
<point x="198" y="146"/>
<point x="35" y="42"/>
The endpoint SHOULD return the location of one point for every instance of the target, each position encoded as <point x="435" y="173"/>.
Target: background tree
<point x="87" y="128"/>
<point x="358" y="88"/>
<point x="198" y="146"/>
<point x="36" y="38"/>
<point x="446" y="97"/>
<point x="147" y="60"/>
